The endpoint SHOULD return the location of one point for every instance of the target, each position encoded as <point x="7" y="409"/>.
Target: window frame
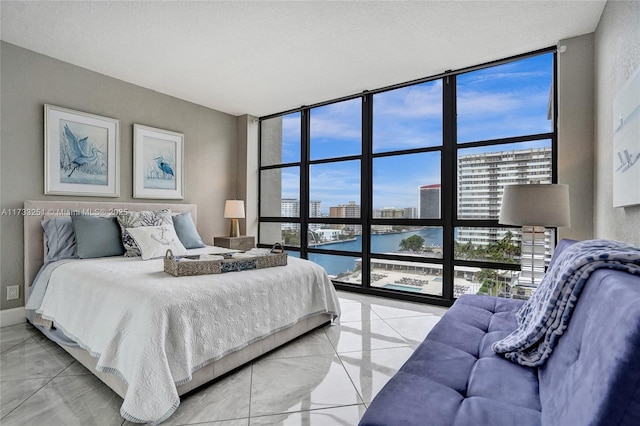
<point x="448" y="220"/>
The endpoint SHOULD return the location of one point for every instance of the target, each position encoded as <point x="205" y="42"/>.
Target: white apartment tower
<point x="290" y="207"/>
<point x="481" y="178"/>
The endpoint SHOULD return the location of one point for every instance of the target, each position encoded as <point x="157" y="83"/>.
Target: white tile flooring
<point x="326" y="377"/>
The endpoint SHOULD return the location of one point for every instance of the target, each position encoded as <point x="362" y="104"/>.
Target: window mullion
<point x="366" y="185"/>
<point x="304" y="181"/>
<point x="449" y="190"/>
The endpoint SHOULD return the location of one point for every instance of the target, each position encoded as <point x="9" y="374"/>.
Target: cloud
<point x="417" y="101"/>
<point x="400" y="135"/>
<point x="342" y="120"/>
<point x="335" y="128"/>
<point x="476" y="78"/>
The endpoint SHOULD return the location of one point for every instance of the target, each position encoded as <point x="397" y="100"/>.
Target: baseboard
<point x="12" y="316"/>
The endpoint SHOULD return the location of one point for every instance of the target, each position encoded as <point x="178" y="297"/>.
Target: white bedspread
<point x="154" y="330"/>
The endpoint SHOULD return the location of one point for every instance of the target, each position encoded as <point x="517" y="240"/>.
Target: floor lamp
<point x="534" y="207"/>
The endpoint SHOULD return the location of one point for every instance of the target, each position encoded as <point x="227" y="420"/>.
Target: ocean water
<point x="380" y="243"/>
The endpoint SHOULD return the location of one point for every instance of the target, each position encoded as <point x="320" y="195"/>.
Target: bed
<point x="152" y="337"/>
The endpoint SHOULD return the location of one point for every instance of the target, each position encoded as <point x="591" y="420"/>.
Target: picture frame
<point x="81" y="153"/>
<point x="626" y="143"/>
<point x="158" y="163"/>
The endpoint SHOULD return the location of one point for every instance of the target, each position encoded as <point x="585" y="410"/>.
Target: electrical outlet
<point x="13" y="292"/>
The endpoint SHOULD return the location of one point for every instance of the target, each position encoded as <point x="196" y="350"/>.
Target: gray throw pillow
<point x="97" y="236"/>
<point x="186" y="230"/>
<point x="60" y="238"/>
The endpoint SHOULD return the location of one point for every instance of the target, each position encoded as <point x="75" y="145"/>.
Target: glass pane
<point x="279" y="192"/>
<point x="292" y="253"/>
<point x="275" y="232"/>
<point x="280" y="140"/>
<point x="484" y="281"/>
<point x="341" y="268"/>
<point x="483" y="172"/>
<point x="407" y="186"/>
<point x="336" y="130"/>
<point x="407" y="118"/>
<point x="336" y="189"/>
<point x="334" y="236"/>
<point x="425" y="241"/>
<point x="411" y="277"/>
<point x="506" y="100"/>
<point x="487" y="244"/>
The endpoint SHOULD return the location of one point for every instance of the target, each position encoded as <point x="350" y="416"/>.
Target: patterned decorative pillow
<point x="154" y="241"/>
<point x="138" y="219"/>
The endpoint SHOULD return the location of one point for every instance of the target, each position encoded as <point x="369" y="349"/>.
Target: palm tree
<point x="489" y="279"/>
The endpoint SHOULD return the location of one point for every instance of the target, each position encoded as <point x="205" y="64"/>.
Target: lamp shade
<point x="234" y="209"/>
<point x="535" y="205"/>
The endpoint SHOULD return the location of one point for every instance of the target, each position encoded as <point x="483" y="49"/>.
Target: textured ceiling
<point x="263" y="57"/>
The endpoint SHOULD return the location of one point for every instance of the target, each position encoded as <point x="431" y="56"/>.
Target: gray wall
<point x="29" y="80"/>
<point x="617" y="47"/>
<point x="247" y="172"/>
<point x="575" y="132"/>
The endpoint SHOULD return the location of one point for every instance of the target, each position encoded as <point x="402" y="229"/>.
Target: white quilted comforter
<point x="154" y="330"/>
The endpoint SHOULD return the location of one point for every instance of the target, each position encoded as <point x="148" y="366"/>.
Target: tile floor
<point x="326" y="377"/>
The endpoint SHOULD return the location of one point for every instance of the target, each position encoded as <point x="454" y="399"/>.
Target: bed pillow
<point x="60" y="239"/>
<point x="153" y="241"/>
<point x="140" y="219"/>
<point x="186" y="230"/>
<point x="97" y="236"/>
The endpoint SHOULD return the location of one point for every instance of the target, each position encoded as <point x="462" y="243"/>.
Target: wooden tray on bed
<point x="174" y="265"/>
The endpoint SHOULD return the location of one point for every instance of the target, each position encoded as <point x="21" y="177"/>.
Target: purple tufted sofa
<point x="592" y="378"/>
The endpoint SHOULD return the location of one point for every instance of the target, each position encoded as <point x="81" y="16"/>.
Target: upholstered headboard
<point x="36" y="211"/>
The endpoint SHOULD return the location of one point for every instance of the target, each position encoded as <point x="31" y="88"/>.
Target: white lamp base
<point x="532" y="258"/>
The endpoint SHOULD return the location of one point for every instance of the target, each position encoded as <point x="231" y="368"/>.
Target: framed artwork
<point x="81" y="153"/>
<point x="157" y="163"/>
<point x="626" y="143"/>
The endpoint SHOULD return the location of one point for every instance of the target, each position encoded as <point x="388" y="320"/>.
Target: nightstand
<point x="244" y="242"/>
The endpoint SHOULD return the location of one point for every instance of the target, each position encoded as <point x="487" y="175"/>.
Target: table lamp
<point x="534" y="207"/>
<point x="234" y="210"/>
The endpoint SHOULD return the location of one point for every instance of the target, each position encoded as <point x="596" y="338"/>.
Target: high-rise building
<point x="481" y="178"/>
<point x="351" y="209"/>
<point x="429" y="200"/>
<point x="410" y="213"/>
<point x="388" y="213"/>
<point x="345" y="210"/>
<point x="290" y="207"/>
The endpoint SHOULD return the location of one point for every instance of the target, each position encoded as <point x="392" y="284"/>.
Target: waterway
<point x="380" y="243"/>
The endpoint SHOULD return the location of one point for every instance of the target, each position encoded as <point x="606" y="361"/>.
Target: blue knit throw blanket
<point x="545" y="316"/>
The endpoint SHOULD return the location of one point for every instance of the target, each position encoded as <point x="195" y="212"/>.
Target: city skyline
<point x="324" y="206"/>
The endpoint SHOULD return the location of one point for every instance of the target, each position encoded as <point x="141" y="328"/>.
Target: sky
<point x="502" y="101"/>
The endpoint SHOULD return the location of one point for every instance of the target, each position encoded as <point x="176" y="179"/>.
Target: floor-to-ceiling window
<point x="397" y="191"/>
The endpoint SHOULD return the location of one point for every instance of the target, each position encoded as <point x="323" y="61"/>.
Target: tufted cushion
<point x="454" y="378"/>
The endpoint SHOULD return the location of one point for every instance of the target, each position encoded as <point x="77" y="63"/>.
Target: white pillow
<point x="155" y="240"/>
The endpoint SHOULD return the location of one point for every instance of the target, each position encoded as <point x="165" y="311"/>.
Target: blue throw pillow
<point x="186" y="230"/>
<point x="97" y="236"/>
<point x="61" y="239"/>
